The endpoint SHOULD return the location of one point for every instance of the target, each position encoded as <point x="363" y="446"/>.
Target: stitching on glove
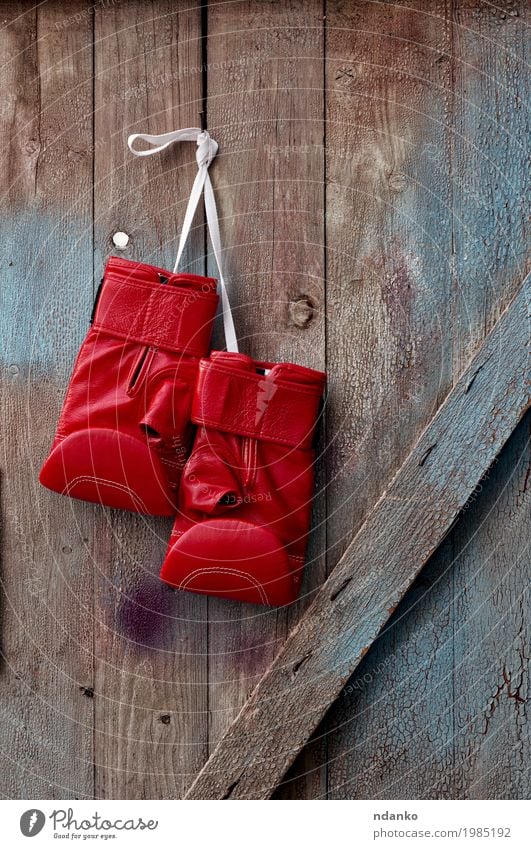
<point x="117" y="334"/>
<point x="283" y="383"/>
<point x="172" y="292"/>
<point x="253" y="434"/>
<point x="210" y="571"/>
<point x="92" y="479"/>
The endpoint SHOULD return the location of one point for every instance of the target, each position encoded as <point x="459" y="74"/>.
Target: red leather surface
<point x="279" y="406"/>
<point x="231" y="559"/>
<point x="176" y="316"/>
<point x="124" y="431"/>
<point x="244" y="505"/>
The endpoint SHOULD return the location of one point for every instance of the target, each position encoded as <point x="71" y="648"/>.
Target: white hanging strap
<point x="206" y="151"/>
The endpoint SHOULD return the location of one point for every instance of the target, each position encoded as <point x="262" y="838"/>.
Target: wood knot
<point x="301" y="311"/>
<point x="165" y="718"/>
<point x="32" y="146"/>
<point x="397" y="181"/>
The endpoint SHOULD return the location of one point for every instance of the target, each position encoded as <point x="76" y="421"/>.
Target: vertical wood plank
<point x="388" y="86"/>
<point x="491" y="583"/>
<point x="389" y="242"/>
<point x="492" y="634"/>
<point x="265" y="107"/>
<point x="151" y="652"/>
<point x="490" y="165"/>
<point x="411" y="723"/>
<point x="46" y="266"/>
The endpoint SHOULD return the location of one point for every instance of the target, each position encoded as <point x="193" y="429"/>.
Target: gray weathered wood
<point x="150" y="694"/>
<point x="492" y="637"/>
<point x="116" y="692"/>
<point x="436" y="710"/>
<point x="265" y="108"/>
<point x="398" y="711"/>
<point x="46" y="268"/>
<point x="491" y="547"/>
<point x="388" y="226"/>
<point x="400" y="534"/>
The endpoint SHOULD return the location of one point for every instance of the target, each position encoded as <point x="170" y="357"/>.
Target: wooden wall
<point x="371" y="184"/>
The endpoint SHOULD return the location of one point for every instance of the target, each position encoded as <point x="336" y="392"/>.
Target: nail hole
<point x="88" y="691"/>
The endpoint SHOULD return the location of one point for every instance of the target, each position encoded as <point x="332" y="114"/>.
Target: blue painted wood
<point x="46" y="270"/>
<point x="389" y="353"/>
<point x="424" y="174"/>
<point x="150" y="643"/>
<point x="437" y="708"/>
<point x="417" y="726"/>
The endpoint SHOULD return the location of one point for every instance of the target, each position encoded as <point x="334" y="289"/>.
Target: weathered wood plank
<point x="404" y="685"/>
<point x="491" y="645"/>
<point x="389" y="241"/>
<point x="408" y="705"/>
<point x="490" y="165"/>
<point x="425" y="497"/>
<point x="388" y="225"/>
<point x="265" y="108"/>
<point x="491" y="582"/>
<point x="46" y="266"/>
<point x="434" y="710"/>
<point x="151" y="651"/>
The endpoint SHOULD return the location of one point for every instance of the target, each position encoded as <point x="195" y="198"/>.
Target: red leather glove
<point x="124" y="432"/>
<point x="246" y="491"/>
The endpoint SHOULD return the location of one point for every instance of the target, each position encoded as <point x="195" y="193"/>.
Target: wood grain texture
<point x="388" y="82"/>
<point x="404" y="688"/>
<point x="436" y="709"/>
<point x="491" y="548"/>
<point x="490" y="165"/>
<point x="46" y="267"/>
<point x="266" y="110"/>
<point x="150" y="645"/>
<point x="426" y="495"/>
<point x="388" y="225"/>
<point x="379" y="146"/>
<point x="492" y="636"/>
<point x="401" y="709"/>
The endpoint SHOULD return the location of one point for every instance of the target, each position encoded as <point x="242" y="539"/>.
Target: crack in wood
<point x="340" y="589"/>
<point x="427" y="454"/>
<point x="473" y="378"/>
<point x="232" y="787"/>
<point x="297" y="665"/>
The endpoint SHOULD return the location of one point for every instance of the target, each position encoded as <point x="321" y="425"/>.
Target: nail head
<point x="120" y="240"/>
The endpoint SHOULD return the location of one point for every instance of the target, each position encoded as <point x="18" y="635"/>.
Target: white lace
<point x="206" y="151"/>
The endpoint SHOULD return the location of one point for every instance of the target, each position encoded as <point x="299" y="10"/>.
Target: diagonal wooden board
<point x="402" y="531"/>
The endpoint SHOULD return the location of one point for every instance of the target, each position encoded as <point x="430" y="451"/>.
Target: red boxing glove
<point x="124" y="432"/>
<point x="246" y="491"/>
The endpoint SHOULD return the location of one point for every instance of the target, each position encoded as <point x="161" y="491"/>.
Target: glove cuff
<point x="271" y="402"/>
<point x="145" y="304"/>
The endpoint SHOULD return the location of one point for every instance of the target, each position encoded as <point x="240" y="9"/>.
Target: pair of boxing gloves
<point x="151" y="423"/>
